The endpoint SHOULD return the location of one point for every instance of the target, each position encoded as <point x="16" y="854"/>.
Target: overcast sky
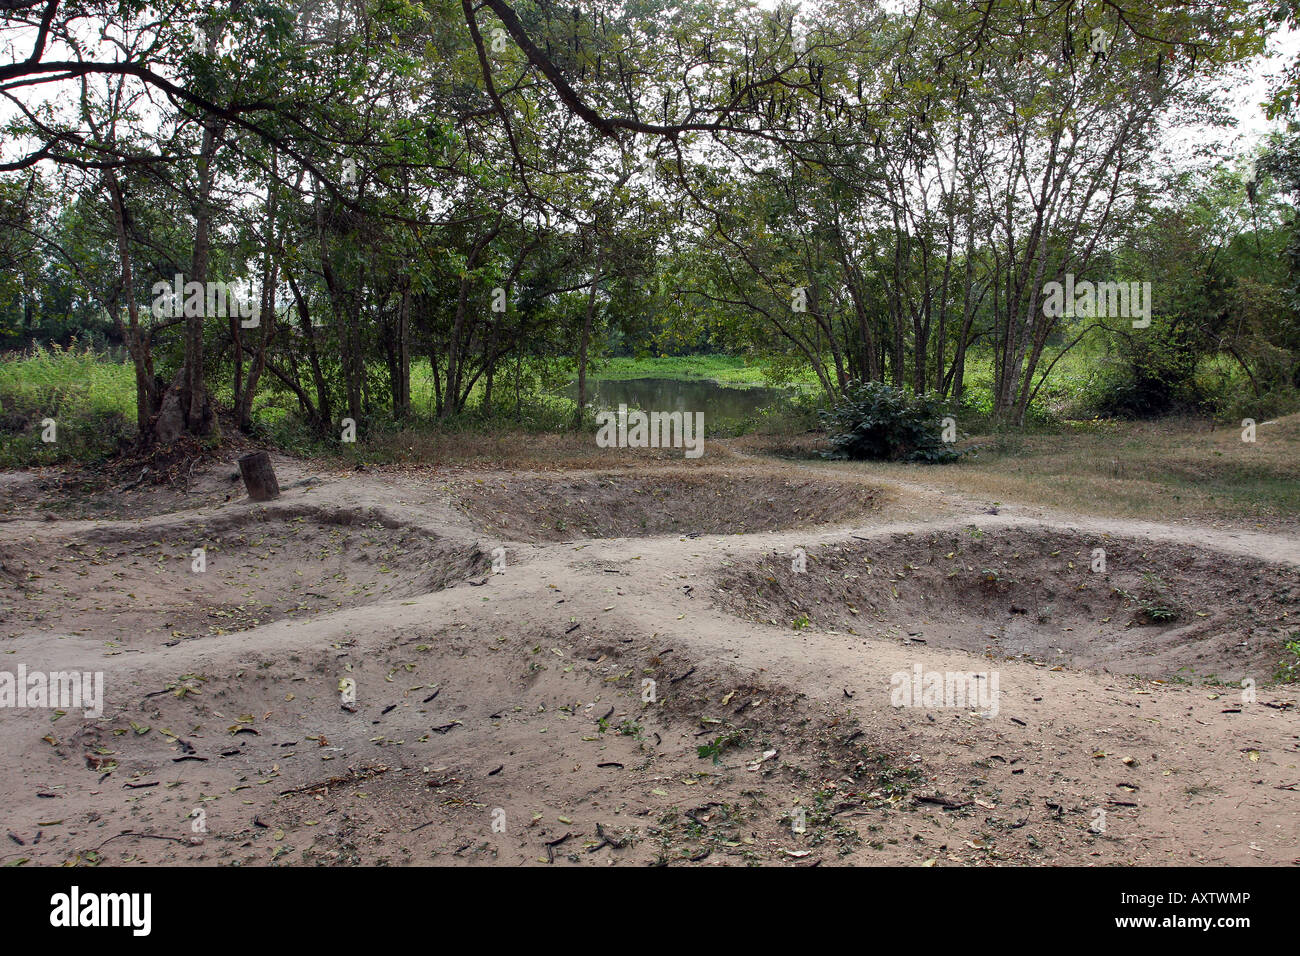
<point x="1247" y="99"/>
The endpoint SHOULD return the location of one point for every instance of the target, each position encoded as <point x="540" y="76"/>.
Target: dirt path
<point x="506" y="717"/>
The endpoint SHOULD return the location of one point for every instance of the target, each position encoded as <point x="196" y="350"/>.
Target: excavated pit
<point x="138" y="587"/>
<point x="1159" y="610"/>
<point x="625" y="504"/>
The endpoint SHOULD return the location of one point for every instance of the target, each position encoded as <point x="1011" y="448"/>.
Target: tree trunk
<point x="259" y="476"/>
<point x="137" y="341"/>
<point x="323" y="404"/>
<point x="198" y="412"/>
<point x="450" y="399"/>
<point x="586" y="338"/>
<point x="404" y="351"/>
<point x="266" y="305"/>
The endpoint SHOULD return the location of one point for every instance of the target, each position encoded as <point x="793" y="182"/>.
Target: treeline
<point x="488" y="189"/>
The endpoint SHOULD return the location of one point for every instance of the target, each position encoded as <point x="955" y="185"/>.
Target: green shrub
<point x="1149" y="381"/>
<point x="878" y="422"/>
<point x="1288" y="671"/>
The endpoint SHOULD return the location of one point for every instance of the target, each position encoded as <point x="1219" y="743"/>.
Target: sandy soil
<point x="506" y="717"/>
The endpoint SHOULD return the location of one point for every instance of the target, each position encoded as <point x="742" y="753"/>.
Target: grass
<point x="61" y="380"/>
<point x="723" y="369"/>
<point x="508" y="448"/>
<point x="1160" y="470"/>
<point x="91" y="401"/>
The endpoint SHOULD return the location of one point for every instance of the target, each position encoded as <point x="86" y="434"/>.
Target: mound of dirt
<point x="1165" y="611"/>
<point x="163" y="482"/>
<point x="624" y="504"/>
<point x="146" y="585"/>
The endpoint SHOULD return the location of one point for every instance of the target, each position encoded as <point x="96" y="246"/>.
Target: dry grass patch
<point x="1172" y="469"/>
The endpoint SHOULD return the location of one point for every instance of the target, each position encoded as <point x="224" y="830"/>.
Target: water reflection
<point x="675" y="395"/>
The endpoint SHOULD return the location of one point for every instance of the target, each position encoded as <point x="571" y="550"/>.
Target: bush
<point x="1149" y="381"/>
<point x="878" y="422"/>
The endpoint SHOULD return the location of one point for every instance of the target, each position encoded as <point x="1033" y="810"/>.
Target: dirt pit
<point x="143" y="587"/>
<point x="625" y="504"/>
<point x="419" y="769"/>
<point x="1161" y="611"/>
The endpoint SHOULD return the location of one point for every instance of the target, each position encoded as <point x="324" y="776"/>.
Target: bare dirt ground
<point x="504" y="717"/>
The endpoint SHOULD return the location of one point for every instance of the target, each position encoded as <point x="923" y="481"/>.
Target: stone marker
<point x="259" y="476"/>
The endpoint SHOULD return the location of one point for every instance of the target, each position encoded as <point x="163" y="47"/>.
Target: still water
<point x="675" y="395"/>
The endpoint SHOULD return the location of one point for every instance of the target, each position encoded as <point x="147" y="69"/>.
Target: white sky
<point x="1247" y="98"/>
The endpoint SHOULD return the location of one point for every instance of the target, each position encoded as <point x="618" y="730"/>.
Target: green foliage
<point x="62" y="380"/>
<point x="1288" y="670"/>
<point x="714" y="748"/>
<point x="91" y="400"/>
<point x="456" y="189"/>
<point x="878" y="422"/>
<point x="383" y="439"/>
<point x="725" y="369"/>
<point x="1222" y="338"/>
<point x="1154" y="604"/>
<point x="1155" y="376"/>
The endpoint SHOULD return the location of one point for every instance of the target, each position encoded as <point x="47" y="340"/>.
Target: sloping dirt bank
<point x="1162" y="610"/>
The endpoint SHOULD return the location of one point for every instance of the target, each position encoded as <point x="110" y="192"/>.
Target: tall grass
<point x="90" y="398"/>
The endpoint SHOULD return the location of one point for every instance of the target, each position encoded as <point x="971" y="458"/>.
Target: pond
<point x="717" y="402"/>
